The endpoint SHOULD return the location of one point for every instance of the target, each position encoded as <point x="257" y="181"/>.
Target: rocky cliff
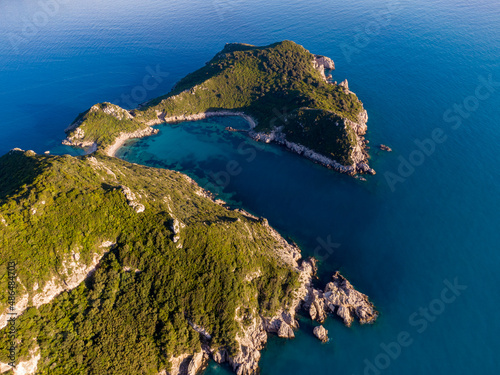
<point x="339" y="298"/>
<point x="357" y="153"/>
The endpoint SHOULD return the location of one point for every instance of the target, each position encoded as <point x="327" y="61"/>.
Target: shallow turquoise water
<point x="400" y="247"/>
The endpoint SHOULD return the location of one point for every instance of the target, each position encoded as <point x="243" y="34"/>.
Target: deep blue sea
<point x="421" y="238"/>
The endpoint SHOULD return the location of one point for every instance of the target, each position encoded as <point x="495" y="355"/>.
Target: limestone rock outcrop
<point x="321" y="333"/>
<point x="323" y="62"/>
<point x="359" y="155"/>
<point x="341" y="297"/>
<point x="344" y="84"/>
<point x="315" y="305"/>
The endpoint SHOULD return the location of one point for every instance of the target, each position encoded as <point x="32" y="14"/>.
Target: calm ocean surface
<point x="403" y="243"/>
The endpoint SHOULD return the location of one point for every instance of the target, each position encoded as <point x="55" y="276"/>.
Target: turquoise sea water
<point x="402" y="244"/>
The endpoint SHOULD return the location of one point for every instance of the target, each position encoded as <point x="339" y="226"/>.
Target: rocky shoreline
<point x="359" y="153"/>
<point x="339" y="298"/>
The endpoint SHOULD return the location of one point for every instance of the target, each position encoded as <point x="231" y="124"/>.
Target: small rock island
<point x="127" y="269"/>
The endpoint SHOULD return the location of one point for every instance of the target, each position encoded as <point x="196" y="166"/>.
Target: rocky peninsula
<point x="280" y="89"/>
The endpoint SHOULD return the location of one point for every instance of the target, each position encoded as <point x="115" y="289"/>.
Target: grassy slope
<point x="270" y="83"/>
<point x="122" y="322"/>
<point x="102" y="123"/>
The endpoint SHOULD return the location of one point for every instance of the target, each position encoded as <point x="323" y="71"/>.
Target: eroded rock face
<point x="188" y="364"/>
<point x="344" y="84"/>
<point x="73" y="271"/>
<point x="282" y="324"/>
<point x="358" y="153"/>
<point x="251" y="341"/>
<point x="316" y="306"/>
<point x="132" y="199"/>
<point x="321" y="333"/>
<point x="341" y="297"/>
<point x="27" y="367"/>
<point x="324" y="62"/>
<point x="285" y="331"/>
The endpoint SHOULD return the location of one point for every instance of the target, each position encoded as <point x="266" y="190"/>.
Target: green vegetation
<point x="102" y="124"/>
<point x="133" y="314"/>
<point x="271" y="84"/>
<point x="321" y="128"/>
